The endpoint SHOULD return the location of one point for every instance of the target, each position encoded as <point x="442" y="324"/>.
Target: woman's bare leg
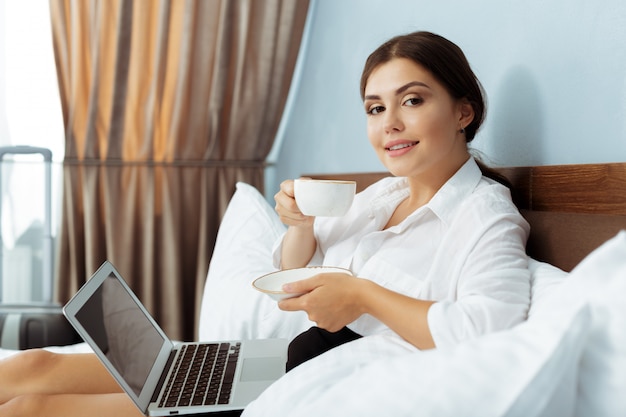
<point x="70" y="405"/>
<point x="42" y="372"/>
<point x="38" y="383"/>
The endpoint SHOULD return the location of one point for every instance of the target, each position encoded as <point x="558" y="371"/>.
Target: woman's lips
<point x="400" y="148"/>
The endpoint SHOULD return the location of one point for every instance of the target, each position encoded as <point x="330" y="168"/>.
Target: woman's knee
<point x="25" y="364"/>
<point x="35" y="360"/>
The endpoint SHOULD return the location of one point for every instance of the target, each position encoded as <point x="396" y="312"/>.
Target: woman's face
<point x="412" y="121"/>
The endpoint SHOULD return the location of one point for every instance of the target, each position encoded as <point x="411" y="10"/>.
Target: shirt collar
<point x="443" y="204"/>
<point x="448" y="199"/>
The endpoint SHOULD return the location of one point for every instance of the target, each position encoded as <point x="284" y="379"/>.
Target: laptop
<point x="136" y="351"/>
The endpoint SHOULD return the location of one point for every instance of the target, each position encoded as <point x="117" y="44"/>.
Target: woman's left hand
<point x="331" y="300"/>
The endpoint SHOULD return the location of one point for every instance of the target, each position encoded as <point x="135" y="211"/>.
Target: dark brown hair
<point x="445" y="61"/>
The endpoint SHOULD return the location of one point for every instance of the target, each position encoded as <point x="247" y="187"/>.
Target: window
<point x="30" y="114"/>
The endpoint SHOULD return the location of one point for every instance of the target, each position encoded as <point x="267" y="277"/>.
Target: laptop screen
<point x="122" y="331"/>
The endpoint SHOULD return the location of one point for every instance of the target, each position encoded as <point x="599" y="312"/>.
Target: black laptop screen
<point x="122" y="331"/>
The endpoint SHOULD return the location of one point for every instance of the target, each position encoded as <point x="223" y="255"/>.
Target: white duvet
<point x="522" y="372"/>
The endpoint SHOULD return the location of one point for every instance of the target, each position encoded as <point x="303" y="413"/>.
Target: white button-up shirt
<point x="465" y="250"/>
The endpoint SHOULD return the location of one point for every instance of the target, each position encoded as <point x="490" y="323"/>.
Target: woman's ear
<point x="466" y="113"/>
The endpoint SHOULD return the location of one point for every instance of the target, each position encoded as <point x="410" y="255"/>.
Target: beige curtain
<point x="166" y="104"/>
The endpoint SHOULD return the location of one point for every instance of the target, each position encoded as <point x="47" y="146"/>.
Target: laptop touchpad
<point x="261" y="369"/>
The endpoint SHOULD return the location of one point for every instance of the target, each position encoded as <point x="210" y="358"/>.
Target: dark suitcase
<point x="32" y="326"/>
<point x="28" y="325"/>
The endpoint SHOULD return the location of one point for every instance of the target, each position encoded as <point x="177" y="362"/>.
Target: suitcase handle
<point x="25" y="150"/>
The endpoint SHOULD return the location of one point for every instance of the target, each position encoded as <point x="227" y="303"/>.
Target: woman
<point x="441" y="246"/>
<point x="438" y="251"/>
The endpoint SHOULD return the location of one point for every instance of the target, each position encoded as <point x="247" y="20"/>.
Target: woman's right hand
<point x="287" y="208"/>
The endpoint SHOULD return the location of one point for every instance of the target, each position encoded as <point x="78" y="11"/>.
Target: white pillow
<point x="231" y="308"/>
<point x="546" y="282"/>
<point x="602" y="379"/>
<point x="529" y="370"/>
<point x="544" y="278"/>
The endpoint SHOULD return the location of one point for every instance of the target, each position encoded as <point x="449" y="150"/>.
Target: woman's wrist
<point x="298" y="247"/>
<point x="365" y="295"/>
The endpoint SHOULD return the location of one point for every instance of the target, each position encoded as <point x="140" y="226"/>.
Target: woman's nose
<point x="392" y="122"/>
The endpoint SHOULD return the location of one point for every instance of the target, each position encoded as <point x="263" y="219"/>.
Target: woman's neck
<point x="423" y="187"/>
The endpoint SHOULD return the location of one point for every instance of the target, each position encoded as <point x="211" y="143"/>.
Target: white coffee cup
<point x="329" y="198"/>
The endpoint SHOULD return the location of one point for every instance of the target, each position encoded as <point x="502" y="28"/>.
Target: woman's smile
<point x="400" y="147"/>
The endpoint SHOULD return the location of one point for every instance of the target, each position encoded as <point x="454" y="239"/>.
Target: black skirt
<point x="314" y="342"/>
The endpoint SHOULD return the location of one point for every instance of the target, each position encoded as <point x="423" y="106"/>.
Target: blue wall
<point x="554" y="72"/>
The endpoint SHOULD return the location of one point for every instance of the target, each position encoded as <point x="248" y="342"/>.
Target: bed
<point x="568" y="358"/>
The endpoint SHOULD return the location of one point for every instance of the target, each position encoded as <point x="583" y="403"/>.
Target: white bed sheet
<point x="76" y="348"/>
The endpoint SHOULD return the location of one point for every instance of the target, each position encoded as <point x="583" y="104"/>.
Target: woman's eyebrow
<point x="400" y="90"/>
<point x="409" y="85"/>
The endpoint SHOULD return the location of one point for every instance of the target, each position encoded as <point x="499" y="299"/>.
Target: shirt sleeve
<point x="493" y="288"/>
<point x="277" y="250"/>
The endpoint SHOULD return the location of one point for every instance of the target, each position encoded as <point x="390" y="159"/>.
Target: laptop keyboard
<point x="203" y="375"/>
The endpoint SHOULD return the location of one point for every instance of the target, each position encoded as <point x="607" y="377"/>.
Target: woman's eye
<point x="375" y="110"/>
<point x="413" y="101"/>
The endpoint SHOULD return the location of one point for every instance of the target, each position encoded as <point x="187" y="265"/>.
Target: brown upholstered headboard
<point x="572" y="209"/>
